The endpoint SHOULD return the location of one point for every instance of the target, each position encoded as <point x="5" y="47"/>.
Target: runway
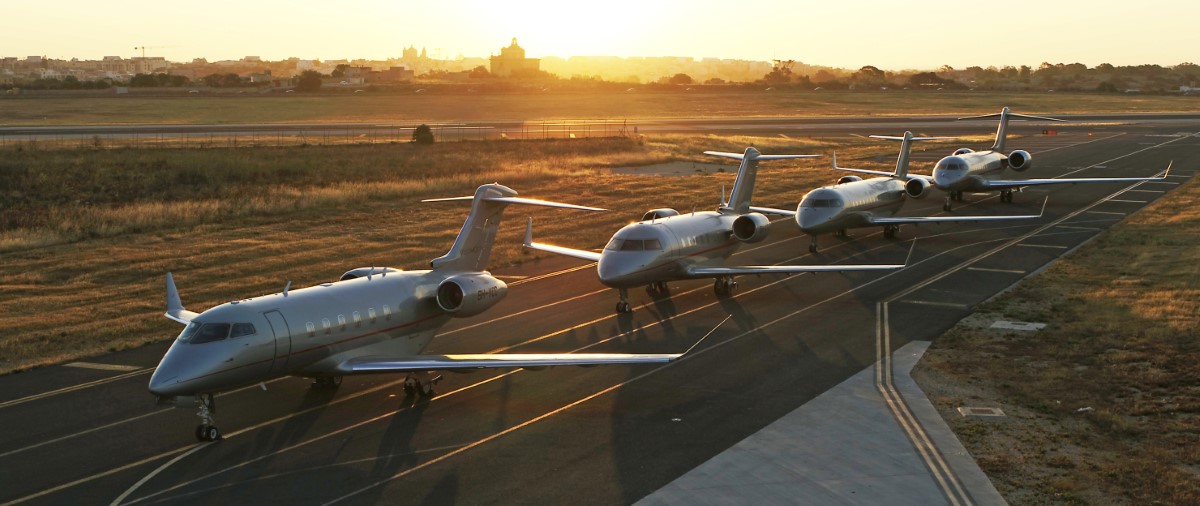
<point x="597" y="435"/>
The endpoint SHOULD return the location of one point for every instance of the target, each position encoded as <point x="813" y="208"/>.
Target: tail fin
<point x="743" y="186"/>
<point x="906" y="149"/>
<point x="1002" y="130"/>
<point x="473" y="245"/>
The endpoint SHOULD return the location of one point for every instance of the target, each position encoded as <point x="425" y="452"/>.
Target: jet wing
<point x="994" y="184"/>
<point x="951" y="219"/>
<point x="771" y="210"/>
<point x="716" y="272"/>
<point x="382" y="364"/>
<point x="590" y="256"/>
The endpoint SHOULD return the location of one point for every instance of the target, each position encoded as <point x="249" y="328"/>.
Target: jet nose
<point x="944" y="179"/>
<point x="617" y="269"/>
<point x="166" y="377"/>
<point x="810" y="218"/>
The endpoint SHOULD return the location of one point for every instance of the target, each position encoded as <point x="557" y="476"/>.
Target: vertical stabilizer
<point x="473" y="246"/>
<point x="905" y="151"/>
<point x="743" y="186"/>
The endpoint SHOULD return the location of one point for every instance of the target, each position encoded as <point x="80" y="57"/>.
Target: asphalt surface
<point x="596" y="435"/>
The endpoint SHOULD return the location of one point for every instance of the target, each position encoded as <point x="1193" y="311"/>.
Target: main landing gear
<point x="890" y="231"/>
<point x="812" y="244"/>
<point x="658" y="288"/>
<point x="724" y="286"/>
<point x="1006" y="196"/>
<point x="326" y="382"/>
<point x="623" y="304"/>
<point x="206" y="431"/>
<point x="421" y="383"/>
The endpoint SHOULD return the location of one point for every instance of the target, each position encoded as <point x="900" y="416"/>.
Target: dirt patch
<point x="675" y="169"/>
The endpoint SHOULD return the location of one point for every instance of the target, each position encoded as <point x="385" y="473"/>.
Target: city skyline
<point x="887" y="35"/>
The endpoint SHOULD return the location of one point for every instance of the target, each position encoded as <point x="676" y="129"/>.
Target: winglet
<point x="528" y="232"/>
<point x="175" y="310"/>
<point x="697" y="343"/>
<point x="1043" y="211"/>
<point x="1168" y="171"/>
<point x="908" y="258"/>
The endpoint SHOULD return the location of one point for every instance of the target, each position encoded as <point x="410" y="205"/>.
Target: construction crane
<point x="144" y="48"/>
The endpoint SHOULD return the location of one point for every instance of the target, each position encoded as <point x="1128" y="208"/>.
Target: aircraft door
<point x="283" y="340"/>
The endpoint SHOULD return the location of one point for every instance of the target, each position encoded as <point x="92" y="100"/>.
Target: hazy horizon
<point x="888" y="35"/>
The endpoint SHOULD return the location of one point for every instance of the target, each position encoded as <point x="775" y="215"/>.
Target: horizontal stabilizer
<point x="519" y="200"/>
<point x="1011" y="115"/>
<point x="740" y="156"/>
<point x="895" y="138"/>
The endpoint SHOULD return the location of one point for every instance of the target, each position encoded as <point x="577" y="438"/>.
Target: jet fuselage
<point x="848" y="205"/>
<point x="967" y="171"/>
<point x="306" y="332"/>
<point x="662" y="249"/>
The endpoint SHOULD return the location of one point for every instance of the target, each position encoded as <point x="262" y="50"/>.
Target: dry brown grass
<point x="1104" y="404"/>
<point x="83" y="274"/>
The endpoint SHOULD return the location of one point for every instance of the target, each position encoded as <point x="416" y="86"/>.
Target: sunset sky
<point x="887" y="34"/>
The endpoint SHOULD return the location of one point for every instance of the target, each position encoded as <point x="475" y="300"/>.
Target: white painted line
<point x="1042" y="246"/>
<point x="1147" y="191"/>
<point x="1077" y="228"/>
<point x="1025" y="326"/>
<point x="935" y="303"/>
<point x="1004" y="271"/>
<point x="1105" y="166"/>
<point x="102" y="367"/>
<point x="1162" y="182"/>
<point x="1107" y="212"/>
<point x="1179" y="175"/>
<point x="1127" y="201"/>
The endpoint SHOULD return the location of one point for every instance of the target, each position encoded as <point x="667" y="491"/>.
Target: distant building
<point x="512" y="61"/>
<point x="391" y="75"/>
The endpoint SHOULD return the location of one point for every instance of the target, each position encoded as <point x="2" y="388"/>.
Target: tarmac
<point x="843" y="447"/>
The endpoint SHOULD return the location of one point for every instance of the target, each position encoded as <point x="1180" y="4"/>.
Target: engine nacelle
<point x="655" y="214"/>
<point x="962" y="151"/>
<point x="916" y="188"/>
<point x="1020" y="160"/>
<point x="465" y="295"/>
<point x="848" y="179"/>
<point x="363" y="272"/>
<point x="751" y="227"/>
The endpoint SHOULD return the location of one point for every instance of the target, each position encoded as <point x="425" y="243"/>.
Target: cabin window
<point x="312" y="329"/>
<point x="357" y="319"/>
<point x="210" y="332"/>
<point x="242" y="329"/>
<point x="342" y="321"/>
<point x="387" y="312"/>
<point x="371" y="314"/>
<point x="325" y="325"/>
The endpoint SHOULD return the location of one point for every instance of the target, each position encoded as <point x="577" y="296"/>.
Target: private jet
<point x="979" y="171"/>
<point x="668" y="245"/>
<point x="855" y="202"/>
<point x="372" y="320"/>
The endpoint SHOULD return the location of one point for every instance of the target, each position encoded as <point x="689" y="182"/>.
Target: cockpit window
<point x="634" y="245"/>
<point x="953" y="166"/>
<point x="241" y="329"/>
<point x="190" y="331"/>
<point x="834" y="202"/>
<point x="210" y="332"/>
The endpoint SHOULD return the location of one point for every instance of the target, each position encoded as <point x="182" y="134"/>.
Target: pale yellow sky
<point x="888" y="34"/>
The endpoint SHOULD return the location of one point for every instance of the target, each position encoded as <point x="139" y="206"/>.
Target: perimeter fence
<point x="306" y="135"/>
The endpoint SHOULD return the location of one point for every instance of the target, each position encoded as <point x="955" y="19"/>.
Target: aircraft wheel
<point x="409" y="390"/>
<point x="946" y="207"/>
<point x="812" y="248"/>
<point x="208" y="432"/>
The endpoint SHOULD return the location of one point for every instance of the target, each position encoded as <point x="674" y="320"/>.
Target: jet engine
<point x="363" y="272"/>
<point x="751" y="227"/>
<point x="1020" y="160"/>
<point x="916" y="188"/>
<point x="465" y="295"/>
<point x="655" y="214"/>
<point x="962" y="151"/>
<point x="848" y="179"/>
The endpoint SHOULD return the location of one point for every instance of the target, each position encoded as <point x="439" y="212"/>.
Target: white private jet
<point x="979" y="171"/>
<point x="373" y="320"/>
<point x="668" y="246"/>
<point x="855" y="202"/>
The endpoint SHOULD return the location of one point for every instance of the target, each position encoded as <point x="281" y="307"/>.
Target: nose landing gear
<point x="206" y="431"/>
<point x="623" y="305"/>
<point x="890" y="231"/>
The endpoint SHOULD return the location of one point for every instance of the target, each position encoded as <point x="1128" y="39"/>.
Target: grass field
<point x="1104" y="404"/>
<point x="435" y="106"/>
<point x="91" y="233"/>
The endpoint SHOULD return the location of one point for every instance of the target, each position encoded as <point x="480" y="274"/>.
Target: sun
<point x="615" y="27"/>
